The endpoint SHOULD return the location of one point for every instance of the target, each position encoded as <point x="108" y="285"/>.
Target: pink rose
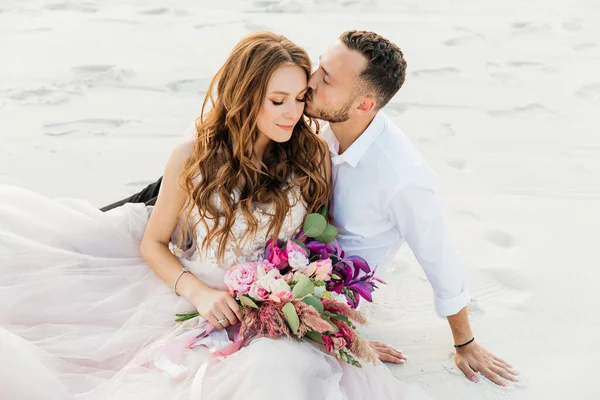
<point x="240" y="278"/>
<point x="281" y="296"/>
<point x="338" y="342"/>
<point x="278" y="258"/>
<point x="328" y="342"/>
<point x="323" y="270"/>
<point x="293" y="246"/>
<point x="259" y="293"/>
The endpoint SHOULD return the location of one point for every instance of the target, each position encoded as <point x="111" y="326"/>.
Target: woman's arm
<point x="211" y="304"/>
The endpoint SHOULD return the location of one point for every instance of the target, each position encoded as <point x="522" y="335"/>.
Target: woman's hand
<point x="218" y="307"/>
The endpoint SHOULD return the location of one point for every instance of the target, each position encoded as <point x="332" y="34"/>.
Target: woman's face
<point x="283" y="105"/>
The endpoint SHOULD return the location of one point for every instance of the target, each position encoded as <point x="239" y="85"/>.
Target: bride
<point x="88" y="299"/>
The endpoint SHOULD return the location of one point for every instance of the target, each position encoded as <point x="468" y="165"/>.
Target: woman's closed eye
<point x="280" y="103"/>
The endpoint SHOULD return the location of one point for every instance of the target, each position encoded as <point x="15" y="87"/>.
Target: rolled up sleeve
<point x="416" y="212"/>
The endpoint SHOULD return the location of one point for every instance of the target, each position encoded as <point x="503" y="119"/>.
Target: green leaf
<point x="303" y="287"/>
<point x="247" y="301"/>
<point x="324" y="211"/>
<point x="314" y="225"/>
<point x="185" y="317"/>
<point x="328" y="235"/>
<point x="313" y="301"/>
<point x="301" y="244"/>
<point x="291" y="316"/>
<point x="335" y="276"/>
<point x="341" y="318"/>
<point x="315" y="336"/>
<point x="334" y="328"/>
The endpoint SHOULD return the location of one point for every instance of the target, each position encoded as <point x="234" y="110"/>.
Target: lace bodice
<point x="249" y="248"/>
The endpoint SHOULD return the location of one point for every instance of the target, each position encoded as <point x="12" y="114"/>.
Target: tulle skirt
<point x="83" y="317"/>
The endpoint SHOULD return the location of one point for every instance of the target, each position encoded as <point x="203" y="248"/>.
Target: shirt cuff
<point x="451" y="306"/>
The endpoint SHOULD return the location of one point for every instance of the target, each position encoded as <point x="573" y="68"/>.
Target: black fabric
<point x="147" y="196"/>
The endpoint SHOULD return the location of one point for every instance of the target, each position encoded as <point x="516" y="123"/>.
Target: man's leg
<point x="148" y="196"/>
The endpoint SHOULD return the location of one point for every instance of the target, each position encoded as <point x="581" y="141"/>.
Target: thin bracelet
<point x="183" y="271"/>
<point x="464" y="344"/>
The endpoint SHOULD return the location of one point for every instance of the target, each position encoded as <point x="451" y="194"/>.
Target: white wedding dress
<point x="83" y="317"/>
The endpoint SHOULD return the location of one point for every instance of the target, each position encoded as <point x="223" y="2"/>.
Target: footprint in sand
<point x="92" y="126"/>
<point x="583" y="46"/>
<point x="100" y="75"/>
<point x="276" y="6"/>
<point x="252" y="27"/>
<point x="529" y="28"/>
<point x="500" y="73"/>
<point x="443" y="72"/>
<point x="574" y="25"/>
<point x="466" y="37"/>
<point x="499" y="238"/>
<point x="193" y="86"/>
<point x="81" y="6"/>
<point x="457" y="163"/>
<point x="589" y="92"/>
<point x="529" y="110"/>
<point x="532" y="65"/>
<point x="41" y="96"/>
<point x="165" y="11"/>
<point x="434" y="135"/>
<point x="468" y="214"/>
<point x="206" y="25"/>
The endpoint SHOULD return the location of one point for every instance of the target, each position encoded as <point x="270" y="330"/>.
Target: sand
<point x="500" y="99"/>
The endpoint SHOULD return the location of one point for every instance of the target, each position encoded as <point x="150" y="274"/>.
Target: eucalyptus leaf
<point x="328" y="235"/>
<point x="313" y="301"/>
<point x="341" y="318"/>
<point x="315" y="336"/>
<point x="303" y="287"/>
<point x="291" y="316"/>
<point x="247" y="301"/>
<point x="324" y="211"/>
<point x="334" y="328"/>
<point x="314" y="225"/>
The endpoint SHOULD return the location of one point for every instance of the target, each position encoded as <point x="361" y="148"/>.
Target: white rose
<point x="264" y="279"/>
<point x="297" y="260"/>
<point x="279" y="285"/>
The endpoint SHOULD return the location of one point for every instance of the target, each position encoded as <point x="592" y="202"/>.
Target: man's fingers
<point x="384" y="348"/>
<point x="503" y="373"/>
<point x="385" y="357"/>
<point x="502" y="361"/>
<point x="469" y="373"/>
<point x="492" y="376"/>
<point x="505" y="367"/>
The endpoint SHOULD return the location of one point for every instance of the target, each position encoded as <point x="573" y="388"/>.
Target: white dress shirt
<point x="384" y="195"/>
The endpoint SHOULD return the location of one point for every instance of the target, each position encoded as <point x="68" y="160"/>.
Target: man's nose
<point x="312" y="81"/>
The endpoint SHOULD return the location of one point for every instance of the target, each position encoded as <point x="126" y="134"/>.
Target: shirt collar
<point x="357" y="150"/>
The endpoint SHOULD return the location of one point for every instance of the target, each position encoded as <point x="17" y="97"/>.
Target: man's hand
<point x="475" y="358"/>
<point x="388" y="354"/>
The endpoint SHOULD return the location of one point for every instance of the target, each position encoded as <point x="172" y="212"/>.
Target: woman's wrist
<point x="191" y="287"/>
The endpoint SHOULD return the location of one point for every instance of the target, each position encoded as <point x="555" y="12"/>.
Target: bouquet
<point x="305" y="288"/>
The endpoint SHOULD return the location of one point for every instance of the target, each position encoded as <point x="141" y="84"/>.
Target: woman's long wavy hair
<point x="225" y="138"/>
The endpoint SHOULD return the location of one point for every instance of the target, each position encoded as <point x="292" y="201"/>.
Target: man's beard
<point x="335" y="116"/>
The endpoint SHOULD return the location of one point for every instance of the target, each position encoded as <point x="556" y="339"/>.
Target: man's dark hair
<point x="386" y="67"/>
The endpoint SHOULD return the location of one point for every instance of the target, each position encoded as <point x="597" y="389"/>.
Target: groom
<point x="383" y="190"/>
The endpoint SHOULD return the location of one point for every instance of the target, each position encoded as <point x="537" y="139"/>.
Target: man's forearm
<point x="460" y="326"/>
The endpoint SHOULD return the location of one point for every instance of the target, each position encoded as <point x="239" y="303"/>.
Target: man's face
<point x="333" y="87"/>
